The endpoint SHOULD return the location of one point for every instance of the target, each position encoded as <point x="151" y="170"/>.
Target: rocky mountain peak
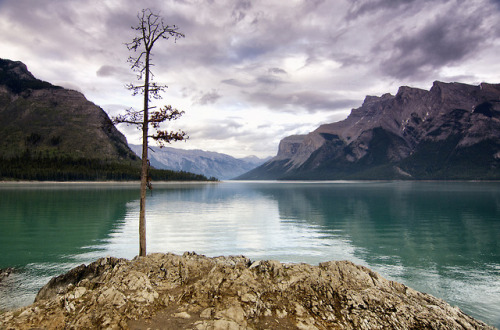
<point x="455" y="95"/>
<point x="449" y="131"/>
<point x="369" y="99"/>
<point x="16" y="68"/>
<point x="491" y="91"/>
<point x="15" y="76"/>
<point x="406" y="93"/>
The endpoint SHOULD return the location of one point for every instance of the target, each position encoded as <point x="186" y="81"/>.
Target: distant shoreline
<point x="124" y="183"/>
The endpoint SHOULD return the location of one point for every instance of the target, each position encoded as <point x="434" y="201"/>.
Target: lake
<point x="437" y="237"/>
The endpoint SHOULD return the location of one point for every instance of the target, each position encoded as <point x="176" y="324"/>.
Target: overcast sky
<point x="249" y="73"/>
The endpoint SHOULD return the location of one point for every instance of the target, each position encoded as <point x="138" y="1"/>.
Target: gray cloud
<point x="218" y="130"/>
<point x="240" y="9"/>
<point x="270" y="80"/>
<point x="364" y="7"/>
<point x="277" y="71"/>
<point x="309" y="101"/>
<point x="208" y="97"/>
<point x="109" y="71"/>
<point x="313" y="58"/>
<point x="445" y="40"/>
<point x="236" y="82"/>
<point x="273" y="77"/>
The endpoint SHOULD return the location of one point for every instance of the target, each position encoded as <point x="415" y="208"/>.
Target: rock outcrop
<point x="195" y="292"/>
<point x="449" y="132"/>
<point x="4" y="273"/>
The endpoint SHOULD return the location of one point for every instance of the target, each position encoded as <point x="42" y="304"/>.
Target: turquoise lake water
<point x="437" y="237"/>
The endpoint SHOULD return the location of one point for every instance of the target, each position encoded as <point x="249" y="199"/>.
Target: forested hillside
<point x="51" y="133"/>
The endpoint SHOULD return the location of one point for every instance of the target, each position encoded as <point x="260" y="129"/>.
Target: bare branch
<point x="121" y="120"/>
<point x="131" y="117"/>
<point x="135" y="89"/>
<point x="152" y="28"/>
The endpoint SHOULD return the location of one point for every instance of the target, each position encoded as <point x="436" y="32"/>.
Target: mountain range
<point x="209" y="164"/>
<point x="449" y="132"/>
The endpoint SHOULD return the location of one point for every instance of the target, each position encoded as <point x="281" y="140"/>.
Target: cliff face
<point x="449" y="132"/>
<point x="196" y="292"/>
<point x="49" y="121"/>
<point x="289" y="146"/>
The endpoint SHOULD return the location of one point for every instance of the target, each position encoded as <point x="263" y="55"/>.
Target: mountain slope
<point x="449" y="132"/>
<point x="51" y="133"/>
<point x="209" y="164"/>
<point x="39" y="118"/>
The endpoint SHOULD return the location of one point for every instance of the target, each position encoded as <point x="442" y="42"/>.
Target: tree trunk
<point x="144" y="168"/>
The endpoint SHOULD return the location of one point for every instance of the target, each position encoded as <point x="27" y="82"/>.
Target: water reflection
<point x="418" y="224"/>
<point x="46" y="227"/>
<point x="440" y="238"/>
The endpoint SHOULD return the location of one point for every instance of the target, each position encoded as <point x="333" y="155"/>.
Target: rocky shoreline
<point x="167" y="291"/>
<point x="5" y="272"/>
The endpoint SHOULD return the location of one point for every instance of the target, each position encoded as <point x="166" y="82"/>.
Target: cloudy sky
<point x="249" y="73"/>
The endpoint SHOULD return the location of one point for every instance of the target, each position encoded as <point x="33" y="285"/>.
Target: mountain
<point x="209" y="164"/>
<point x="40" y="118"/>
<point x="450" y="132"/>
<point x="51" y="133"/>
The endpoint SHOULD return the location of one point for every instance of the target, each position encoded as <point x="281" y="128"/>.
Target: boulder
<point x="196" y="292"/>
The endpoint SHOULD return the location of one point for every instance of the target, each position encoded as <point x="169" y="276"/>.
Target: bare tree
<point x="151" y="28"/>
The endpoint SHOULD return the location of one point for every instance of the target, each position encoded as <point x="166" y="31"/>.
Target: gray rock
<point x="60" y="284"/>
<point x="196" y="292"/>
<point x="4" y="273"/>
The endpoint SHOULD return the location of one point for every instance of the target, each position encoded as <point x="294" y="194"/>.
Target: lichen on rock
<point x="196" y="292"/>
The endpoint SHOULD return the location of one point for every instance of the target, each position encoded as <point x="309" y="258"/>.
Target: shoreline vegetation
<point x="96" y="183"/>
<point x="193" y="291"/>
<point x="63" y="169"/>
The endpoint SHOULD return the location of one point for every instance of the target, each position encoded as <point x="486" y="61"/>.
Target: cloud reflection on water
<point x="440" y="238"/>
<point x="435" y="237"/>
